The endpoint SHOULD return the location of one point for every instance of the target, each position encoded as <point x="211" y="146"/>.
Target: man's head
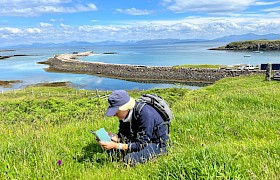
<point x="119" y="101"/>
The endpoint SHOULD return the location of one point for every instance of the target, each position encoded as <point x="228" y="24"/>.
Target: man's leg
<point x="149" y="152"/>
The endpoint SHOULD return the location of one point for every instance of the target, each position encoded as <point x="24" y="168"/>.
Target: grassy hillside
<point x="229" y="130"/>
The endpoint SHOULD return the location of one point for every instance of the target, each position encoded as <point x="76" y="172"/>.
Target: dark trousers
<point x="150" y="151"/>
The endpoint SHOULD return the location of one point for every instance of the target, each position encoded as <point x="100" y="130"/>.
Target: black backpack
<point x="159" y="104"/>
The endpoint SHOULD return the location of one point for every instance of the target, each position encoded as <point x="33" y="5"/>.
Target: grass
<point x="211" y="66"/>
<point x="229" y="130"/>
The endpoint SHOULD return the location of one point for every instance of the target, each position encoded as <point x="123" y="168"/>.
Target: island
<point x="6" y="50"/>
<point x="8" y="56"/>
<point x="68" y="63"/>
<point x="252" y="45"/>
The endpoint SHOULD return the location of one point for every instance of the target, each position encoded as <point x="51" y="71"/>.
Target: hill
<point x="229" y="130"/>
<point x="249" y="36"/>
<point x="231" y="38"/>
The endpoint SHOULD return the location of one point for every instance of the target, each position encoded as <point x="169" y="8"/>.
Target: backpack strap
<point x="138" y="109"/>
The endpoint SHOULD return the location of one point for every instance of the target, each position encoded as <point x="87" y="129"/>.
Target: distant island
<point x="8" y="56"/>
<point x="252" y="45"/>
<point x="6" y="50"/>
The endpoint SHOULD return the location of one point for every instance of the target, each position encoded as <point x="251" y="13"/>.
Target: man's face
<point x="121" y="114"/>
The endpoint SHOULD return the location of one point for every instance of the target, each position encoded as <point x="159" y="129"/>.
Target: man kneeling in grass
<point x="141" y="135"/>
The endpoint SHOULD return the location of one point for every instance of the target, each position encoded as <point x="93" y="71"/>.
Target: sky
<point x="58" y="21"/>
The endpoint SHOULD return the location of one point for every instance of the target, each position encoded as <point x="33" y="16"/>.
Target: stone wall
<point x="159" y="73"/>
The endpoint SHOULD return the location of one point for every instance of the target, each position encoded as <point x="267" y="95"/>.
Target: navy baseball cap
<point x="116" y="100"/>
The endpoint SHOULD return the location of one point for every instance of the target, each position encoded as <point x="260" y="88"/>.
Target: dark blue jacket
<point x="143" y="129"/>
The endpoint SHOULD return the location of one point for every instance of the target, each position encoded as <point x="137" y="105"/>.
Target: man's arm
<point x="113" y="145"/>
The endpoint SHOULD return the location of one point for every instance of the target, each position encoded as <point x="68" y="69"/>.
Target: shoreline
<point x="68" y="63"/>
<point x="8" y="84"/>
<point x="140" y="80"/>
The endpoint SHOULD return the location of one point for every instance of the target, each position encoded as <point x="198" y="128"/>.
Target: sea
<point x="27" y="69"/>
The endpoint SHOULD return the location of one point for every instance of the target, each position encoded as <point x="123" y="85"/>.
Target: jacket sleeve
<point x="145" y="126"/>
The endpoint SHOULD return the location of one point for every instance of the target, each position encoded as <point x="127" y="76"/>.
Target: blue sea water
<point x="25" y="68"/>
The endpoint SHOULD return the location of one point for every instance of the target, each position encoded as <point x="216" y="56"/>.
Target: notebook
<point x="102" y="135"/>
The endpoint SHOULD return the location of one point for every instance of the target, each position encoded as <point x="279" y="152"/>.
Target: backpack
<point x="159" y="104"/>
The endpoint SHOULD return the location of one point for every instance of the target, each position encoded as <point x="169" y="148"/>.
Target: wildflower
<point x="59" y="162"/>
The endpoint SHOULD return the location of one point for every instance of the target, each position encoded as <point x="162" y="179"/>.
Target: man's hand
<point x="108" y="145"/>
<point x="113" y="137"/>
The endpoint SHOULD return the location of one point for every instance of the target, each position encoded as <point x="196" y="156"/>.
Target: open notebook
<point x="102" y="135"/>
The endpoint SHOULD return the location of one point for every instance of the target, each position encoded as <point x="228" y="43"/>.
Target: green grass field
<point x="229" y="130"/>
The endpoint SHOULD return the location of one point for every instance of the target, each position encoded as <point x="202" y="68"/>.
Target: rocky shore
<point x="69" y="63"/>
<point x="7" y="84"/>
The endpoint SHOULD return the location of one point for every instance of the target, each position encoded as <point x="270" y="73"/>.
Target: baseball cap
<point x="117" y="99"/>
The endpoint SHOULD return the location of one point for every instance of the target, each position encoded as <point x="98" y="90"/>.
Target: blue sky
<point x="30" y="21"/>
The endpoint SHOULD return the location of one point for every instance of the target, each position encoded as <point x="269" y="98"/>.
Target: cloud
<point x="134" y="11"/>
<point x="207" y="6"/>
<point x="57" y="20"/>
<point x="64" y="26"/>
<point x="37" y="7"/>
<point x="275" y="9"/>
<point x="9" y="30"/>
<point x="185" y="28"/>
<point x="41" y="24"/>
<point x="266" y="3"/>
<point x="33" y="30"/>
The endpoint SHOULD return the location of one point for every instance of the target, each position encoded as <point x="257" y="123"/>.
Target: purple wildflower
<point x="59" y="162"/>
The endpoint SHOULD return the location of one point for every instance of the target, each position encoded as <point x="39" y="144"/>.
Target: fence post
<point x="97" y="93"/>
<point x="268" y="71"/>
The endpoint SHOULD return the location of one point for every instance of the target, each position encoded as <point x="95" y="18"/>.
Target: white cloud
<point x="41" y="24"/>
<point x="37" y="7"/>
<point x="57" y="20"/>
<point x="187" y="28"/>
<point x="2" y="36"/>
<point x="64" y="26"/>
<point x="134" y="11"/>
<point x="94" y="20"/>
<point x="275" y="9"/>
<point x="9" y="30"/>
<point x="207" y="5"/>
<point x="33" y="30"/>
<point x="266" y="3"/>
<point x="92" y="7"/>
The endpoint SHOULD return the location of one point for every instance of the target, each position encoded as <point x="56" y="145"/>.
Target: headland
<point x="252" y="45"/>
